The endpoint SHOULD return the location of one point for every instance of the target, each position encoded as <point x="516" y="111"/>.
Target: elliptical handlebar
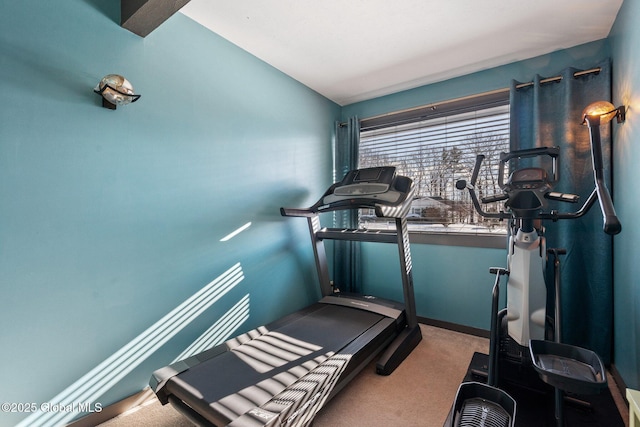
<point x="462" y="184"/>
<point x="611" y="223"/>
<point x="552" y="152"/>
<point x="476" y="169"/>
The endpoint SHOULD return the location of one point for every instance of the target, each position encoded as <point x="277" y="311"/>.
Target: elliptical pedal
<point x="481" y="405"/>
<point x="480" y="412"/>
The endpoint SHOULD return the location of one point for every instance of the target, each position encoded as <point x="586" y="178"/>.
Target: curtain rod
<point x="491" y="92"/>
<point x="558" y="78"/>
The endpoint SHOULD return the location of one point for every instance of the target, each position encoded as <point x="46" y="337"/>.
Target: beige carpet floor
<point x="418" y="394"/>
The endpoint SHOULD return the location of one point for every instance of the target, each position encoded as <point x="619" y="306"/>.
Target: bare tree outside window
<point x="436" y="153"/>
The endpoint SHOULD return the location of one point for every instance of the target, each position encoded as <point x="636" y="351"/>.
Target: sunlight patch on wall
<point x="222" y="330"/>
<point x="104" y="376"/>
<point x="235" y="233"/>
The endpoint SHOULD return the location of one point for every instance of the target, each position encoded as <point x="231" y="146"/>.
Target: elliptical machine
<point x="524" y="335"/>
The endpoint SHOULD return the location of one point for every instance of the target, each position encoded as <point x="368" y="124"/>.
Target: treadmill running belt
<point x="254" y="371"/>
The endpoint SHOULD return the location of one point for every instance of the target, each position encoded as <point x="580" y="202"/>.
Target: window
<point x="436" y="146"/>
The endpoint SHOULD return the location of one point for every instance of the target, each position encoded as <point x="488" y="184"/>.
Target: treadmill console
<point x="361" y="182"/>
<point x="378" y="187"/>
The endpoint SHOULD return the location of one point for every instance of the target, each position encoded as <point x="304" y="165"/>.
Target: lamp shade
<point x="602" y="109"/>
<point x="116" y="90"/>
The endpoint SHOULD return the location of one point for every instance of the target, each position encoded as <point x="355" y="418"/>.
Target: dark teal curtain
<point x="346" y="259"/>
<point x="548" y="114"/>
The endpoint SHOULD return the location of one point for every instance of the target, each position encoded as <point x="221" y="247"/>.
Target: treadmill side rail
<point x="388" y="310"/>
<point x="160" y="376"/>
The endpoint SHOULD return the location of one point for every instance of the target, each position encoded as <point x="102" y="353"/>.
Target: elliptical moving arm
<point x="611" y="223"/>
<point x="463" y="184"/>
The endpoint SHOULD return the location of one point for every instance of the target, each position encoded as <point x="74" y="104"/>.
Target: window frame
<point x="437" y="110"/>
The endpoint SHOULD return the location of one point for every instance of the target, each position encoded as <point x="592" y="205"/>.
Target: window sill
<point x="492" y="241"/>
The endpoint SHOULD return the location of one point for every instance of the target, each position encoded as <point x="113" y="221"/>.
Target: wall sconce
<point x="115" y="90"/>
<point x="601" y="112"/>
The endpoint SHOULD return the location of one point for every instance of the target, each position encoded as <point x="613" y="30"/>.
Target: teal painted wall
<point x="625" y="41"/>
<point x="109" y="220"/>
<point x="453" y="284"/>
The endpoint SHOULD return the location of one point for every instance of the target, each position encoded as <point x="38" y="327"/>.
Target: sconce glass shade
<point x="602" y="109"/>
<point x="115" y="90"/>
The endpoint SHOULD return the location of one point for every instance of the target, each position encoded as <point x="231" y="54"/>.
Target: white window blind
<point x="436" y="152"/>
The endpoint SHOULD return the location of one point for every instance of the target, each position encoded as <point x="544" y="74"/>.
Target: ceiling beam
<point x="141" y="17"/>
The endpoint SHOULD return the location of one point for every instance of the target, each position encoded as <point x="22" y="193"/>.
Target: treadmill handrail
<point x="357" y="235"/>
<point x="307" y="213"/>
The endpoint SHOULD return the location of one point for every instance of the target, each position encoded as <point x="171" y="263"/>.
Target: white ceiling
<point x="354" y="50"/>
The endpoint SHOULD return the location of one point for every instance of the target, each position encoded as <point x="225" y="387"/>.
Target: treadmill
<point x="282" y="374"/>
